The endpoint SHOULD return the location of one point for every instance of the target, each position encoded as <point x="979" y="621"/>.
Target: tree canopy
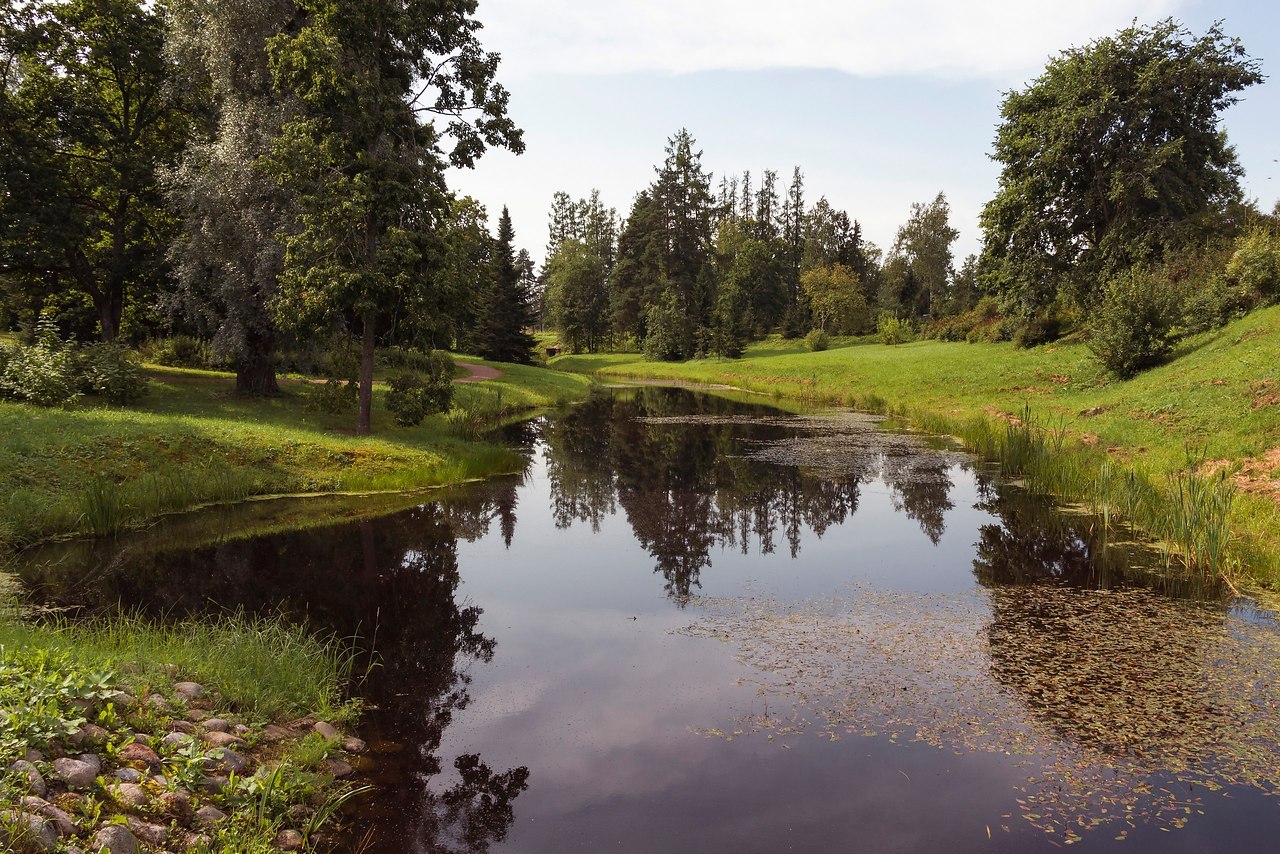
<point x="1110" y="158"/>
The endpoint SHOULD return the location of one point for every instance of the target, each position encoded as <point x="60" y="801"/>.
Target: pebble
<point x="130" y="794"/>
<point x="61" y="820"/>
<point x="36" y="832"/>
<point x="223" y="739"/>
<point x="189" y="690"/>
<point x="116" y="839"/>
<point x="152" y="834"/>
<point x="207" y="816"/>
<point x="138" y="752"/>
<point x="326" y="729"/>
<point x="176" y="739"/>
<point x="177" y="804"/>
<point x="78" y="773"/>
<point x="289" y="840"/>
<point x="90" y="734"/>
<point x="35" y="781"/>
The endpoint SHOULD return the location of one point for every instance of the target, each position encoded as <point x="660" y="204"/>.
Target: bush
<point x="892" y="330"/>
<point x="817" y="341"/>
<point x="1044" y="328"/>
<point x="112" y="372"/>
<point x="333" y="397"/>
<point x="662" y="340"/>
<point x="415" y="396"/>
<point x="1255" y="264"/>
<point x="1133" y="329"/>
<point x="44" y="373"/>
<point x="181" y="351"/>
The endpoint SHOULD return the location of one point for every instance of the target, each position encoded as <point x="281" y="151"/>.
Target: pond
<point x="701" y="624"/>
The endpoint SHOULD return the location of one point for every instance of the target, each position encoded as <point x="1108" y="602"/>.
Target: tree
<point x="924" y="246"/>
<point x="364" y="153"/>
<point x="577" y="296"/>
<point x="638" y="280"/>
<point x="507" y="311"/>
<point x="683" y="196"/>
<point x="1110" y="158"/>
<point x="229" y="256"/>
<point x="835" y="298"/>
<point x="90" y="118"/>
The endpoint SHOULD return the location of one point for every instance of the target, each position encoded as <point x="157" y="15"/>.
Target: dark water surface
<point x="707" y="626"/>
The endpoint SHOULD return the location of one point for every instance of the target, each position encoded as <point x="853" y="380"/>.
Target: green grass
<point x="265" y="668"/>
<point x="191" y="441"/>
<point x="1209" y="401"/>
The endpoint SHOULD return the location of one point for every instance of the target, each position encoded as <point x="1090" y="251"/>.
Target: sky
<point x="881" y="103"/>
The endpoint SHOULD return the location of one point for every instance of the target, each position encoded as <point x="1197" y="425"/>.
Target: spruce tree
<point x="507" y="314"/>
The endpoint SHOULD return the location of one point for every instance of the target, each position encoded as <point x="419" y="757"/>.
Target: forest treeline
<point x="1119" y="212"/>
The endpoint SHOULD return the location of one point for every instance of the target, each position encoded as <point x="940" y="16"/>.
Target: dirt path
<point x="478" y="373"/>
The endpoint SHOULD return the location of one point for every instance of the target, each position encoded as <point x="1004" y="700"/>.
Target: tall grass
<point x="264" y="667"/>
<point x="106" y="506"/>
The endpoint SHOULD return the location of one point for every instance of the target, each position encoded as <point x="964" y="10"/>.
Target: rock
<point x="214" y="784"/>
<point x="35" y="781"/>
<point x="177" y="739"/>
<point x="189" y="690"/>
<point x="354" y="745"/>
<point x="223" y="739"/>
<point x="32" y="830"/>
<point x="138" y="752"/>
<point x="179" y="725"/>
<point x="325" y="729"/>
<point x="208" y="816"/>
<point x="273" y="733"/>
<point x="159" y="702"/>
<point x="289" y="840"/>
<point x="227" y="761"/>
<point x="152" y="834"/>
<point x="129" y="794"/>
<point x="197" y="841"/>
<point x="170" y="670"/>
<point x="32" y="755"/>
<point x="62" y="822"/>
<point x="240" y="729"/>
<point x="298" y="813"/>
<point x="78" y="773"/>
<point x="196" y="715"/>
<point x="161" y="780"/>
<point x="177" y="805"/>
<point x="128" y="775"/>
<point x="116" y="839"/>
<point x="337" y="768"/>
<point x="217" y="725"/>
<point x="91" y="735"/>
<point x="121" y="700"/>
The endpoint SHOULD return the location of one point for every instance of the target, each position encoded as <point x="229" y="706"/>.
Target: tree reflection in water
<point x="689" y="473"/>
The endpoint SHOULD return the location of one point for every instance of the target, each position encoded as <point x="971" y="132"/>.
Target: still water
<point x="700" y="625"/>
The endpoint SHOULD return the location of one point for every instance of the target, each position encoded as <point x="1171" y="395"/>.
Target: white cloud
<point x="972" y="38"/>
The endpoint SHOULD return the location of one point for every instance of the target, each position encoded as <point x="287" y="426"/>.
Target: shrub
<point x="893" y="330"/>
<point x="662" y="340"/>
<point x="817" y="341"/>
<point x="1045" y="327"/>
<point x="44" y="373"/>
<point x="181" y="351"/>
<point x="1255" y="264"/>
<point x="333" y="397"/>
<point x="112" y="372"/>
<point x="415" y="396"/>
<point x="1133" y="327"/>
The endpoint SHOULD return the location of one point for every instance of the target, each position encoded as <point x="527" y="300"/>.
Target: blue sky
<point x="880" y="103"/>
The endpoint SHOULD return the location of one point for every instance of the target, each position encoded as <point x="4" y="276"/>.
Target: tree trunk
<point x="256" y="372"/>
<point x="364" y="420"/>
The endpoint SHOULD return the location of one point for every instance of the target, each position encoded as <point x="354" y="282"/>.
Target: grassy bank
<point x="95" y="469"/>
<point x="1150" y="446"/>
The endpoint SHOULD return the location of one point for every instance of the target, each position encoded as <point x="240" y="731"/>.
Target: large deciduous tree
<point x="90" y="119"/>
<point x="578" y="296"/>
<point x="1110" y="158"/>
<point x="364" y="152"/>
<point x="228" y="259"/>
